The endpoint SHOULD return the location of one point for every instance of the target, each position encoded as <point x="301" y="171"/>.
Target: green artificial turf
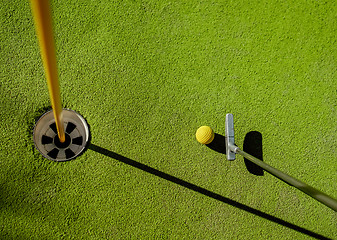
<point x="146" y="75"/>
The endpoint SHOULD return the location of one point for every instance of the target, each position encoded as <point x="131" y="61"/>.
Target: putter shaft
<point x="312" y="192"/>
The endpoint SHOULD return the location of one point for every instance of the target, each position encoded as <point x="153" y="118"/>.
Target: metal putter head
<point x="229" y="137"/>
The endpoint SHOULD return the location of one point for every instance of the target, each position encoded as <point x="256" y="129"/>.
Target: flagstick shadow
<point x="203" y="191"/>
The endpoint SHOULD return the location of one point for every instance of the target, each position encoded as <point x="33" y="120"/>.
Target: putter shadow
<point x="252" y="145"/>
<point x="203" y="191"/>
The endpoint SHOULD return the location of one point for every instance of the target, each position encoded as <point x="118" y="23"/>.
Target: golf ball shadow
<point x="218" y="144"/>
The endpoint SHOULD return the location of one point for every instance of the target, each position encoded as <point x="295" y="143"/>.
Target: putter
<point x="232" y="150"/>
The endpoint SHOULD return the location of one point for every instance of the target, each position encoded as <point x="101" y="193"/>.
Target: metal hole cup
<point x="47" y="142"/>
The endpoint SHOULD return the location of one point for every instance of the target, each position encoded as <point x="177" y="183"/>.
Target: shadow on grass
<point x="218" y="144"/>
<point x="203" y="191"/>
<point x="252" y="145"/>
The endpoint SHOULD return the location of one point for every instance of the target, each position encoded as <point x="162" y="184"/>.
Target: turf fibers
<point x="146" y="75"/>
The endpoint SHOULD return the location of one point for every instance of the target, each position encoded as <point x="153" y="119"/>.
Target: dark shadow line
<point x="203" y="191"/>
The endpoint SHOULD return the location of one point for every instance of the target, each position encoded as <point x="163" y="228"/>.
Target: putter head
<point x="229" y="137"/>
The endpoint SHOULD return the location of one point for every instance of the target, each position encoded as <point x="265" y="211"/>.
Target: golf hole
<point x="48" y="143"/>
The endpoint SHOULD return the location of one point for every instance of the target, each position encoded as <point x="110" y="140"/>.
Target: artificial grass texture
<point x="146" y="75"/>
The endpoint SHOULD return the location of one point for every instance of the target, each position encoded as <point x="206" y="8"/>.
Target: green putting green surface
<point x="145" y="75"/>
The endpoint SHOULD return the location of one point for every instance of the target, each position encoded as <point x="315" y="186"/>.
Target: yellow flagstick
<point x="43" y="23"/>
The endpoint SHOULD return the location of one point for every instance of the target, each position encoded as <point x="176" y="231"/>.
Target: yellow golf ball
<point x="204" y="135"/>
